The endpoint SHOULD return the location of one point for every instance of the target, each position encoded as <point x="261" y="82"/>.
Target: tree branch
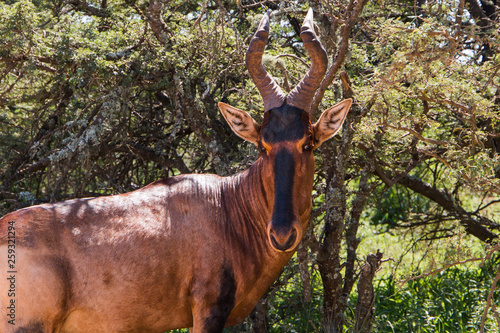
<point x="472" y="225"/>
<point x="350" y="17"/>
<point x="420" y="137"/>
<point x="89" y="9"/>
<point x="156" y="22"/>
<point x="352" y="241"/>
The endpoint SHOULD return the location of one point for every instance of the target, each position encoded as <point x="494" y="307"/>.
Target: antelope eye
<point x="308" y="147"/>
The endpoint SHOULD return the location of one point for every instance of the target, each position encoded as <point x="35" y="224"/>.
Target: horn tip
<point x="308" y="23"/>
<point x="309" y="13"/>
<point x="264" y="22"/>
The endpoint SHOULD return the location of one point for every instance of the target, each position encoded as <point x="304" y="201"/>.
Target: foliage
<point x="451" y="301"/>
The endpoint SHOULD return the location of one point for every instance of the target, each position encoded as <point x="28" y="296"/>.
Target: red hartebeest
<point x="189" y="251"/>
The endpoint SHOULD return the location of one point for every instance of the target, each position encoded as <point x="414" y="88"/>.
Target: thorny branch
<point x="351" y="15"/>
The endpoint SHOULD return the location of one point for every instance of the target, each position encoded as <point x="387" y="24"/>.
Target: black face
<point x="286" y="123"/>
<point x="283" y="212"/>
<point x="285" y="132"/>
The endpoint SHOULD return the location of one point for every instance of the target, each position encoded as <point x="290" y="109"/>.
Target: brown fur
<point x="145" y="261"/>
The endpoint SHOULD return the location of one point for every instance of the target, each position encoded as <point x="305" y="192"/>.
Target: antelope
<point x="194" y="250"/>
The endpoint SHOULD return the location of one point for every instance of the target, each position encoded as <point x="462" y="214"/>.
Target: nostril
<point x="287" y="244"/>
<point x="291" y="239"/>
<point x="274" y="242"/>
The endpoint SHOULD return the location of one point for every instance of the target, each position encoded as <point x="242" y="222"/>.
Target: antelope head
<point x="287" y="138"/>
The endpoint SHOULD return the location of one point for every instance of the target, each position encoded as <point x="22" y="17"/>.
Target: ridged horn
<point x="271" y="93"/>
<point x="302" y="95"/>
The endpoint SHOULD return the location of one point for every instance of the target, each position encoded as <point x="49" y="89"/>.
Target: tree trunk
<point x="331" y="242"/>
<point x="259" y="317"/>
<point x="302" y="258"/>
<point x="366" y="297"/>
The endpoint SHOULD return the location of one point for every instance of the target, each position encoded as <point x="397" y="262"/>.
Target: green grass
<point x="451" y="301"/>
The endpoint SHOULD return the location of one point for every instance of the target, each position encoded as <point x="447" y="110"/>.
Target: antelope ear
<point x="330" y="121"/>
<point x="241" y="123"/>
